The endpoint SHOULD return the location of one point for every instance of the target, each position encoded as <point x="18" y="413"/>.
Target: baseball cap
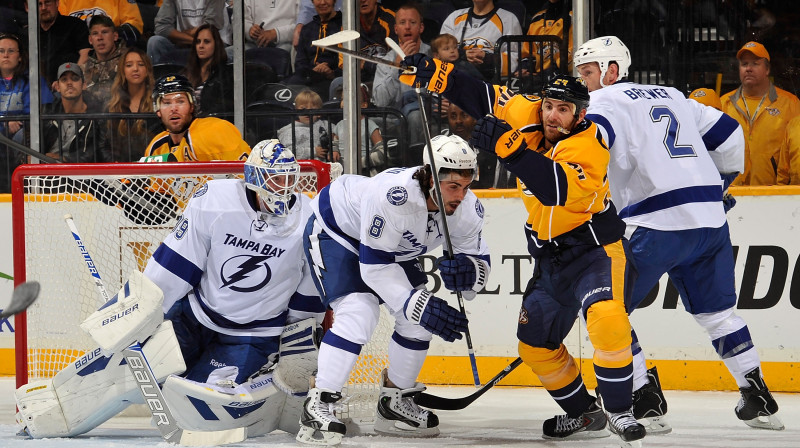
<point x="707" y="97"/>
<point x="755" y="48"/>
<point x="69" y="67"/>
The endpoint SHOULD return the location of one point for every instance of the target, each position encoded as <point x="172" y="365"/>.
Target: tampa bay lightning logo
<point x="479" y="208"/>
<point x="201" y="191"/>
<point x="397" y="195"/>
<point x="245" y="273"/>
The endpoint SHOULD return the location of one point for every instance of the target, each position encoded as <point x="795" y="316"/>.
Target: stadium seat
<point x="257" y="75"/>
<point x="280" y="60"/>
<point x="264" y="118"/>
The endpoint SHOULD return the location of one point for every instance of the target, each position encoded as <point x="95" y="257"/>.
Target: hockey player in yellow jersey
<point x="190" y="139"/>
<point x="573" y="233"/>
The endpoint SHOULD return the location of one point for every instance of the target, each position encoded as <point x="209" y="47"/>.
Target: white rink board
<point x="759" y="224"/>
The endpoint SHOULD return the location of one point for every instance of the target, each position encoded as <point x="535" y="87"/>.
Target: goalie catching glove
<point x="431" y="73"/>
<point x="435" y="315"/>
<point x="463" y="273"/>
<point x="496" y="135"/>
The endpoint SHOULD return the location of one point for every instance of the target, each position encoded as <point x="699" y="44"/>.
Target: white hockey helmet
<point x="272" y="172"/>
<point x="604" y="50"/>
<point x="451" y="152"/>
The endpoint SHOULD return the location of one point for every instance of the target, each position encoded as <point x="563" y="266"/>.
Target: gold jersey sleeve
<point x="207" y="139"/>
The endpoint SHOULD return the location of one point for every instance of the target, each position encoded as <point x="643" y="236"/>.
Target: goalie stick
<point x="454" y="404"/>
<point x="24" y="295"/>
<point x="147" y="382"/>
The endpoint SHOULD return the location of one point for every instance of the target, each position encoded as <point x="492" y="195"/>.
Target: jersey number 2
<point x="658" y="113"/>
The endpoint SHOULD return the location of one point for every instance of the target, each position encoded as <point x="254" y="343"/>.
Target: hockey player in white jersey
<point x="362" y="243"/>
<point x="226" y="293"/>
<point x="672" y="160"/>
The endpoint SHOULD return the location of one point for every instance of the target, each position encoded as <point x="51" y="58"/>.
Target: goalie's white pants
<point x="92" y="389"/>
<point x="356" y="317"/>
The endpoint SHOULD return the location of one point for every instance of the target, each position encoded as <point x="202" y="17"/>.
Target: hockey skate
<point x="757" y="408"/>
<point x="627" y="428"/>
<point x="398" y="415"/>
<point x="650" y="406"/>
<point x="589" y="425"/>
<point x="319" y="425"/>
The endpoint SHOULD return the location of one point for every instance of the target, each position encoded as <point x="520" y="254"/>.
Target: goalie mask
<point x="604" y="50"/>
<point x="451" y="152"/>
<point x="272" y="172"/>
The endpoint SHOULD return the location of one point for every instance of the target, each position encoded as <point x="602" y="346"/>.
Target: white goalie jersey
<point x="671" y="183"/>
<point x="240" y="273"/>
<point x="386" y="221"/>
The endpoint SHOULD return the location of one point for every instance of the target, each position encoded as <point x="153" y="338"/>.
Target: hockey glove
<point x="435" y="315"/>
<point x="459" y="273"/>
<point x="496" y="135"/>
<point x="728" y="202"/>
<point x="431" y="73"/>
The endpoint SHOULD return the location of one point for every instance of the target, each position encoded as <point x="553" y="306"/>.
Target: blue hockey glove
<point x="427" y="69"/>
<point x="496" y="135"/>
<point x="435" y="315"/>
<point x="458" y="274"/>
<point x="728" y="202"/>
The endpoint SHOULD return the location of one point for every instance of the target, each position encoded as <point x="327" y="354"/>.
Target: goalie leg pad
<point x="256" y="404"/>
<point x="298" y="357"/>
<point x="132" y="315"/>
<point x="92" y="389"/>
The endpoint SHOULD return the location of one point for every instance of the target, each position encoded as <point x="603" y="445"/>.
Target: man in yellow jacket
<point x="764" y="111"/>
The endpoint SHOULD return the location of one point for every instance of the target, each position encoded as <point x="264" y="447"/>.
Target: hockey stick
<point x="148" y="383"/>
<point x="438" y="190"/>
<point x="454" y="404"/>
<point x="24" y="295"/>
<point x="331" y="43"/>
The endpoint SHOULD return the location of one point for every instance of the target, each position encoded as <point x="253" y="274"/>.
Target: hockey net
<point x="123" y="212"/>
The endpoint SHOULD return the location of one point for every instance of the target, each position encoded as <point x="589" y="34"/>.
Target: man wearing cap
<point x="764" y="111"/>
<point x="74" y="139"/>
<point x="707" y="97"/>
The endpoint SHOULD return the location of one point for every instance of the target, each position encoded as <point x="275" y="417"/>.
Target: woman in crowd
<point x="208" y="72"/>
<point x="15" y="99"/>
<point x="130" y="93"/>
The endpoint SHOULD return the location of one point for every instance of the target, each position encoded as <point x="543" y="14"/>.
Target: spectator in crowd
<point x="554" y="19"/>
<point x="176" y="24"/>
<point x="377" y="23"/>
<point x="707" y="97"/>
<point x="461" y="124"/>
<point x="186" y="138"/>
<point x="305" y="14"/>
<point x="371" y="140"/>
<point x="124" y="14"/>
<point x="61" y="39"/>
<point x="445" y="48"/>
<point x="15" y="99"/>
<point x="74" y="140"/>
<point x="207" y="71"/>
<point x="131" y="93"/>
<point x="270" y="24"/>
<point x="388" y="91"/>
<point x="478" y="28"/>
<point x="763" y="110"/>
<point x="307" y="131"/>
<point x="101" y="68"/>
<point x="313" y="66"/>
